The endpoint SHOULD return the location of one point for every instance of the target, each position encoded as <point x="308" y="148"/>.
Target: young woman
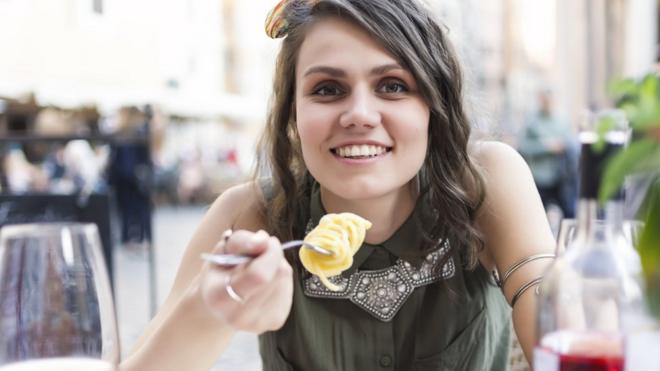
<point x="367" y="118"/>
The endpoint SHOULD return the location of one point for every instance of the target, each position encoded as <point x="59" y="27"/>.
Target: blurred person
<point x="4" y="151"/>
<point x="51" y="121"/>
<point x="165" y="169"/>
<point x="55" y="168"/>
<point x="85" y="165"/>
<point x="548" y="146"/>
<point x="157" y="132"/>
<point x="368" y="118"/>
<point x="129" y="173"/>
<point x="23" y="176"/>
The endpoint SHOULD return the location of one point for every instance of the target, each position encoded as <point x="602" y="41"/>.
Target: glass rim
<point x="13" y="230"/>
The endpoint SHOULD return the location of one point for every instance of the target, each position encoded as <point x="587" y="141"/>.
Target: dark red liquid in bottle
<point x="594" y="363"/>
<point x="580" y="351"/>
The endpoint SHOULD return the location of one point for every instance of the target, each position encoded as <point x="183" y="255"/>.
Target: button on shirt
<point x="461" y="323"/>
<point x="386" y="361"/>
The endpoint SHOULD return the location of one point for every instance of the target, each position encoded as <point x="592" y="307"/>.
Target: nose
<point x="361" y="110"/>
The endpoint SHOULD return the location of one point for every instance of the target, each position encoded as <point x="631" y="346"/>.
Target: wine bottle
<point x="587" y="291"/>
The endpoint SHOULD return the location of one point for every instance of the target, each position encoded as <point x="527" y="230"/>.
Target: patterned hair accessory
<point x="276" y="24"/>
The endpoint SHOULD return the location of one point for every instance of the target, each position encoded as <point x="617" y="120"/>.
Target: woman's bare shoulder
<point x="500" y="166"/>
<point x="507" y="177"/>
<point x="244" y="202"/>
<point x="493" y="155"/>
<point x="236" y="208"/>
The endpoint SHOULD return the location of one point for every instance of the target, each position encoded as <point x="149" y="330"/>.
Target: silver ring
<point x="232" y="293"/>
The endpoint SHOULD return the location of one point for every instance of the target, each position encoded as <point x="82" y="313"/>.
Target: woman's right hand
<point x="263" y="286"/>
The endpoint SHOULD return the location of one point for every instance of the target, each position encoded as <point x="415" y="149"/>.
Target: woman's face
<point x="361" y="119"/>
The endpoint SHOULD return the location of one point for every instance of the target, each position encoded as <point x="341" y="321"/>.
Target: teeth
<point x="360" y="151"/>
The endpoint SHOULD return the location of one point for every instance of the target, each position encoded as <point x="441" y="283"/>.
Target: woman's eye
<point x="393" y="87"/>
<point x="327" y="90"/>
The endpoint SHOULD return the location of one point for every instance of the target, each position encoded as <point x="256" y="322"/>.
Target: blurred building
<point x="476" y="29"/>
<point x="511" y="49"/>
<point x="210" y="59"/>
<point x="598" y="41"/>
<point x="192" y="57"/>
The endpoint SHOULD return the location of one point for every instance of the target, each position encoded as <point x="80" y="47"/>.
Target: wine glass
<point x="56" y="307"/>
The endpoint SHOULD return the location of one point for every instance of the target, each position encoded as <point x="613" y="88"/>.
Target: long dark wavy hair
<point x="449" y="180"/>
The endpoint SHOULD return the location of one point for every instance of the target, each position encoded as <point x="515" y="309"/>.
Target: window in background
<point x="97" y="6"/>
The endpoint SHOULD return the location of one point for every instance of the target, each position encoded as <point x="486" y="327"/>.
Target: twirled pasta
<point x="342" y="234"/>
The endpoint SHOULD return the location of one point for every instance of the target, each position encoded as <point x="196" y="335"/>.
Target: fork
<point x="230" y="260"/>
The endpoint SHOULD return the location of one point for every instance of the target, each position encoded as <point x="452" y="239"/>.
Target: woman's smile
<point x="360" y="153"/>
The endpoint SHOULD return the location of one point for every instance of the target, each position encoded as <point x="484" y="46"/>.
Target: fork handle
<point x="232" y="260"/>
<point x="226" y="260"/>
<point x="294" y="243"/>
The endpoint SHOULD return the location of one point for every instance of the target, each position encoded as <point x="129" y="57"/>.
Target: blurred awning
<point x="194" y="105"/>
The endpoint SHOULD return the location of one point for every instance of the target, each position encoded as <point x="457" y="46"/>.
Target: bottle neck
<point x="596" y="220"/>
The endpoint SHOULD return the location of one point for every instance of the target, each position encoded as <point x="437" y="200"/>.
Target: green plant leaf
<point x="648" y="88"/>
<point x="620" y="88"/>
<point x="641" y="102"/>
<point x="602" y="127"/>
<point x="627" y="162"/>
<point x="649" y="248"/>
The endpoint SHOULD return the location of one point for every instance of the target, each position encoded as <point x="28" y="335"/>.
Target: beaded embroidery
<point x="383" y="292"/>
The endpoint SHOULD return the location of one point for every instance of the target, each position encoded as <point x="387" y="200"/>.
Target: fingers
<point x="264" y="282"/>
<point x="276" y="297"/>
<point x="279" y="295"/>
<point x="258" y="273"/>
<point x="246" y="243"/>
<point x="214" y="294"/>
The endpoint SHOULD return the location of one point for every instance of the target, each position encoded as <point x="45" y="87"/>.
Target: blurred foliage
<point x="640" y="99"/>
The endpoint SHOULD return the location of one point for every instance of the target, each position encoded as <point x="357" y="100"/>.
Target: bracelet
<point x="524" y="288"/>
<point x="519" y="264"/>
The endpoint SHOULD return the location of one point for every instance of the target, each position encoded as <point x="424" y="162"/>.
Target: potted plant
<point x="640" y="99"/>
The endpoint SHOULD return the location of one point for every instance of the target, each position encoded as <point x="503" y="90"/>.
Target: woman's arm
<point x="198" y="318"/>
<point x="514" y="226"/>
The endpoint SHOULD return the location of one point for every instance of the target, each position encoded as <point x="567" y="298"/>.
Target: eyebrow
<point x="336" y="72"/>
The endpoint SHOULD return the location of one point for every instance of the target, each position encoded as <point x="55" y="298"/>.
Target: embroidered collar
<point x="382" y="292"/>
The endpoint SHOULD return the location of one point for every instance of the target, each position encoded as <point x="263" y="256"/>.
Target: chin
<point x="363" y="189"/>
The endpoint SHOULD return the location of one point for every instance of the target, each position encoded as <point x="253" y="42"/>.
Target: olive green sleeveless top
<point x="397" y="309"/>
